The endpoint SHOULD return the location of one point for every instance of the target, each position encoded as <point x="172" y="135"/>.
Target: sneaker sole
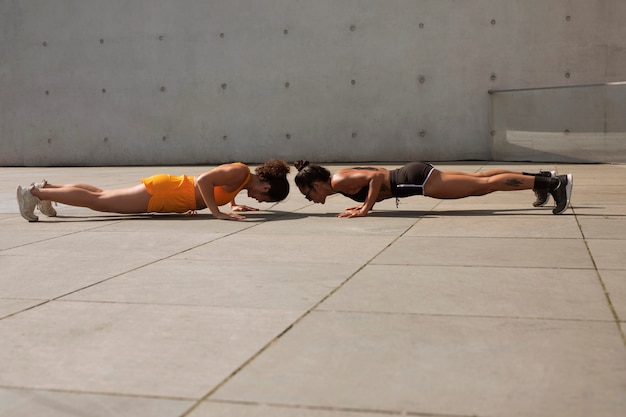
<point x="50" y="211"/>
<point x="545" y="202"/>
<point x="22" y="211"/>
<point x="568" y="192"/>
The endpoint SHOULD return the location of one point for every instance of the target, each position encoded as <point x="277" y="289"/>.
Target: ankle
<point x="545" y="183"/>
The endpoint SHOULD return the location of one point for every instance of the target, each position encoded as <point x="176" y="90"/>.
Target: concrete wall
<point x="125" y="82"/>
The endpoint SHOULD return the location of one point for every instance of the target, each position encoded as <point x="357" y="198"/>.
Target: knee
<point x="489" y="184"/>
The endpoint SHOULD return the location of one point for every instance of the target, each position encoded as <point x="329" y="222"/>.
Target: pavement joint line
<point x="485" y="266"/>
<point x="26" y="309"/>
<point x="104" y="393"/>
<point x="340" y="409"/>
<point x="472" y="316"/>
<point x="607" y="295"/>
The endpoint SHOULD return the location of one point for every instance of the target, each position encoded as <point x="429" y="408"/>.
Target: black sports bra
<point x="360" y="195"/>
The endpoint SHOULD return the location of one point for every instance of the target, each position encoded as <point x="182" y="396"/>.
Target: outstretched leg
<point x="87" y="187"/>
<point x="542" y="195"/>
<point x="444" y="185"/>
<point x="481" y="174"/>
<point x="130" y="200"/>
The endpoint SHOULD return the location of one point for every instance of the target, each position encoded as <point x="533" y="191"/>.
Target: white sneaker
<point x="45" y="206"/>
<point x="27" y="203"/>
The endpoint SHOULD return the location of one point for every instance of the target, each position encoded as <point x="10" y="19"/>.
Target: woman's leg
<point x="541" y="196"/>
<point x="125" y="201"/>
<point x="444" y="185"/>
<point x="481" y="174"/>
<point x="82" y="186"/>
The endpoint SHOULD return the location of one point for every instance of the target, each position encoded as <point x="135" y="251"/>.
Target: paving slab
<point x="608" y="253"/>
<point x="603" y="228"/>
<point x="132" y="349"/>
<point x="306" y="223"/>
<point x="473" y="251"/>
<point x="291" y="248"/>
<point x="447" y="221"/>
<point x="615" y="282"/>
<point x="418" y="364"/>
<point x="234" y="284"/>
<point x="214" y="408"/>
<point x="474" y="291"/>
<point x="49" y="277"/>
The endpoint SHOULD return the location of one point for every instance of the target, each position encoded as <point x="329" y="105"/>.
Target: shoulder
<point x="348" y="180"/>
<point x="226" y="174"/>
<point x="235" y="167"/>
<point x="359" y="172"/>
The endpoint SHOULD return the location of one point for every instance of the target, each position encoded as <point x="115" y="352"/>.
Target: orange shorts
<point x="170" y="194"/>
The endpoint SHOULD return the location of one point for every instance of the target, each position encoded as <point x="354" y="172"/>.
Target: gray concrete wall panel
<point x="132" y="82"/>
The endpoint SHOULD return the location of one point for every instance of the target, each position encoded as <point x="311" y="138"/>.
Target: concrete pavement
<point x="483" y="306"/>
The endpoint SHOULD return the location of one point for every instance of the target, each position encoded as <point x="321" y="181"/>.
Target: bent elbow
<point x="203" y="181"/>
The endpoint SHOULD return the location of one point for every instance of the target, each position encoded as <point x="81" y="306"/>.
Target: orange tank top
<point x="223" y="197"/>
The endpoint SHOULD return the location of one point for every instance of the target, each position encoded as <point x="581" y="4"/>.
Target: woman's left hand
<point x="243" y="208"/>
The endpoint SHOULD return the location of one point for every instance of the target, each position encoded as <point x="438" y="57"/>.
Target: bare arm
<point x="351" y="180"/>
<point x="228" y="176"/>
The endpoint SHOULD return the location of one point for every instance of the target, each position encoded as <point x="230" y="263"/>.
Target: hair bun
<point x="300" y="164"/>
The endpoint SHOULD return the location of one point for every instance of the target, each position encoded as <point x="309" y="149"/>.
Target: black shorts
<point x="410" y="179"/>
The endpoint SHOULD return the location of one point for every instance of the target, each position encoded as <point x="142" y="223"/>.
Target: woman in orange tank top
<point x="166" y="193"/>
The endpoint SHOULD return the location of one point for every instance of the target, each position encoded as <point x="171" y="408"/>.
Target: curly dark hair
<point x="309" y="173"/>
<point x="275" y="173"/>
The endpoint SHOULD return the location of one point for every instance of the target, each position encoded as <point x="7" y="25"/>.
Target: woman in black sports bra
<point x="368" y="185"/>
